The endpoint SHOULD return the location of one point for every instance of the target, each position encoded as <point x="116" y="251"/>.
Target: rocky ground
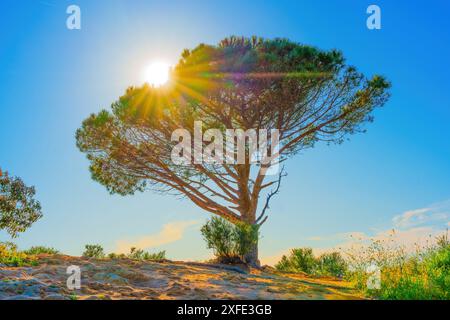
<point x="128" y="279"/>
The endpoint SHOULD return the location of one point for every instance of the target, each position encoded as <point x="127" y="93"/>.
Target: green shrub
<point x="303" y="260"/>
<point x="117" y="256"/>
<point x="424" y="274"/>
<point x="8" y="246"/>
<point x="331" y="264"/>
<point x="245" y="238"/>
<point x="113" y="256"/>
<point x="93" y="251"/>
<point x="139" y="254"/>
<point x="230" y="243"/>
<point x="10" y="256"/>
<point x="284" y="264"/>
<point x="218" y="234"/>
<point x="40" y="249"/>
<point x="437" y="266"/>
<point x="299" y="260"/>
<point x="155" y="256"/>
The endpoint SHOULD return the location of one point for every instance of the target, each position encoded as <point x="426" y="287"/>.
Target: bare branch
<point x="269" y="196"/>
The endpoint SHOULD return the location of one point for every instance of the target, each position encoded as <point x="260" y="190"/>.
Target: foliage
<point x="93" y="251"/>
<point x="303" y="260"/>
<point x="245" y="237"/>
<point x="18" y="208"/>
<point x="113" y="255"/>
<point x="96" y="251"/>
<point x="299" y="260"/>
<point x="424" y="274"/>
<point x="40" y="250"/>
<point x="218" y="234"/>
<point x="437" y="266"/>
<point x="10" y="256"/>
<point x="332" y="264"/>
<point x="229" y="242"/>
<point x="73" y="296"/>
<point x="284" y="264"/>
<point x="139" y="254"/>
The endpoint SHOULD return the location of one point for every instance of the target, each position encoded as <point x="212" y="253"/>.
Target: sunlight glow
<point x="157" y="73"/>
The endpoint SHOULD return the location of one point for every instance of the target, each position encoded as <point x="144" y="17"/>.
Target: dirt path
<point x="126" y="279"/>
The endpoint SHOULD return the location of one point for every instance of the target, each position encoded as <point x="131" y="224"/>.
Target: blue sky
<point x="52" y="78"/>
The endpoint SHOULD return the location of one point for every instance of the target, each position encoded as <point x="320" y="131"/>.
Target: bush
<point x="245" y="238"/>
<point x="96" y="251"/>
<point x="424" y="274"/>
<point x="284" y="264"/>
<point x="40" y="250"/>
<point x="331" y="264"/>
<point x="419" y="277"/>
<point x="437" y="266"/>
<point x="218" y="235"/>
<point x="229" y="242"/>
<point x="93" y="251"/>
<point x="117" y="256"/>
<point x="299" y="260"/>
<point x="303" y="260"/>
<point x="139" y="254"/>
<point x="10" y="256"/>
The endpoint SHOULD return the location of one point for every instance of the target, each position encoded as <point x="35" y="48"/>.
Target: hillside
<point x="128" y="279"/>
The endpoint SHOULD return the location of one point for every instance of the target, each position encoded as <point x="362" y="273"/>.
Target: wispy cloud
<point x="170" y="232"/>
<point x="436" y="213"/>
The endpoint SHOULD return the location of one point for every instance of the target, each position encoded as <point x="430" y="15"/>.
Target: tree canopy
<point x="18" y="208"/>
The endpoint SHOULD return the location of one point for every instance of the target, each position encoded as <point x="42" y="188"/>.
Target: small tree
<point x="303" y="259"/>
<point x="18" y="208"/>
<point x="93" y="251"/>
<point x="307" y="94"/>
<point x="230" y="242"/>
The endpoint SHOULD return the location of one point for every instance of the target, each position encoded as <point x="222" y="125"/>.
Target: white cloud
<point x="412" y="217"/>
<point x="170" y="232"/>
<point x="434" y="214"/>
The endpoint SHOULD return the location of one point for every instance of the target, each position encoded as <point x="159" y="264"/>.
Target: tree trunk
<point x="251" y="257"/>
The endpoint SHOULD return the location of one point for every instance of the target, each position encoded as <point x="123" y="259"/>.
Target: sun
<point x="157" y="73"/>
